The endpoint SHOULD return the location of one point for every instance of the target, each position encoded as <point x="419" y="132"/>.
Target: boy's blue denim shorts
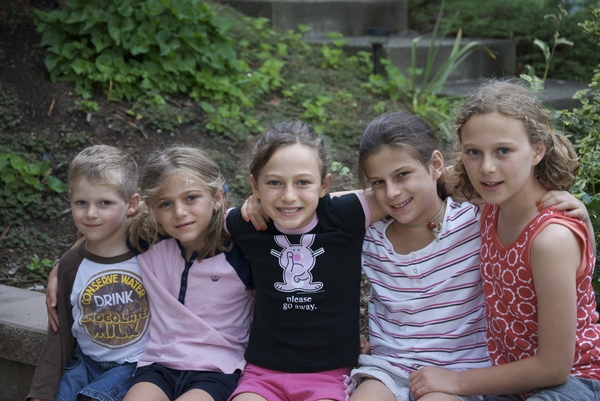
<point x="85" y="378"/>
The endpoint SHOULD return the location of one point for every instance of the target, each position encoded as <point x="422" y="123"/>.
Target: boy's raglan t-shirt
<point x="306" y="316"/>
<point x="110" y="309"/>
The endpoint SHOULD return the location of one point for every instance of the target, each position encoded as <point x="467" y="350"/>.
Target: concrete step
<point x="557" y="94"/>
<point x="23" y="323"/>
<point x="479" y="63"/>
<point x="351" y="18"/>
<point x="348" y="17"/>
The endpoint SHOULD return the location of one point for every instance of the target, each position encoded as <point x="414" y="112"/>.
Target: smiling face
<point x="499" y="158"/>
<point x="289" y="186"/>
<point x="184" y="210"/>
<point x="100" y="213"/>
<point x="405" y="188"/>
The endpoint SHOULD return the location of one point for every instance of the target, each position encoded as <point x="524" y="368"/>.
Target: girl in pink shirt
<point x="198" y="283"/>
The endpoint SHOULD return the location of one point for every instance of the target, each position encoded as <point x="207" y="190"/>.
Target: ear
<point x="135" y="205"/>
<point x="218" y="200"/>
<point x="254" y="183"/>
<point x="325" y="185"/>
<point x="437" y="164"/>
<point x="539" y="150"/>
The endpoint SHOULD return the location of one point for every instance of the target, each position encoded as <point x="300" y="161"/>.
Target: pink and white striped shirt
<point x="426" y="308"/>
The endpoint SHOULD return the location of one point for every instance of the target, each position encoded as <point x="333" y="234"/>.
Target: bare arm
<point x="555" y="259"/>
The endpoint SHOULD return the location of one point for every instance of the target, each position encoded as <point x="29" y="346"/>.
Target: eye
<point x="303" y="182"/>
<point x="80" y="203"/>
<point x="163" y="205"/>
<point x="105" y="203"/>
<point x="273" y="183"/>
<point x="402" y="174"/>
<point x="376" y="182"/>
<point x="191" y="198"/>
<point x="504" y="151"/>
<point x="472" y="152"/>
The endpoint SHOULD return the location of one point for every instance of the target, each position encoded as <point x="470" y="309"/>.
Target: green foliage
<point x="333" y="56"/>
<point x="157" y="114"/>
<point x="538" y="83"/>
<point x="74" y="139"/>
<point x="584" y="125"/>
<point x="87" y="106"/>
<point x="24" y="184"/>
<point x="39" y="268"/>
<point x="9" y="110"/>
<point x="127" y="47"/>
<point x="27" y="179"/>
<point x="22" y="239"/>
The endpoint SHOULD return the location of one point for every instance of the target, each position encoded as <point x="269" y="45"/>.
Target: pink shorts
<point x="280" y="386"/>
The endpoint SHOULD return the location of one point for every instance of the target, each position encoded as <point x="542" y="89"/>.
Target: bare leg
<point x="145" y="391"/>
<point x="372" y="389"/>
<point x="195" y="395"/>
<point x="248" y="397"/>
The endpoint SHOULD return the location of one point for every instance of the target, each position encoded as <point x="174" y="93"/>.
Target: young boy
<point x="102" y="304"/>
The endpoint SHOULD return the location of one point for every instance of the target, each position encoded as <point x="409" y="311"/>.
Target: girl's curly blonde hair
<point x="557" y="169"/>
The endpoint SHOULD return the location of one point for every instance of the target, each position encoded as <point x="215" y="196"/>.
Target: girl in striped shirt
<point x="426" y="304"/>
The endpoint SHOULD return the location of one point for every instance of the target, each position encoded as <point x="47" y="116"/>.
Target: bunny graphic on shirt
<point x="297" y="260"/>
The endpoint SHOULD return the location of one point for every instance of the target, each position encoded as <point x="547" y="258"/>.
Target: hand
<point x="252" y="211"/>
<point x="430" y="379"/>
<point x="51" y="295"/>
<point x="565" y="201"/>
<point x="365" y="347"/>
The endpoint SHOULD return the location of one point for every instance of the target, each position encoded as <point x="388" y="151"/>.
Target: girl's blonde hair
<point x="558" y="167"/>
<point x="193" y="165"/>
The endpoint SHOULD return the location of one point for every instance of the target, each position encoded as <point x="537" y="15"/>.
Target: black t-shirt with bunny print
<point x="306" y="316"/>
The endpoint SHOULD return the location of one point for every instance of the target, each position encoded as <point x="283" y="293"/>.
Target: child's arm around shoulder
<point x="555" y="258"/>
<point x="252" y="211"/>
<point x="377" y="213"/>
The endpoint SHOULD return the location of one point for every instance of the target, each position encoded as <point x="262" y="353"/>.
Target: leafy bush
<point x="127" y="47"/>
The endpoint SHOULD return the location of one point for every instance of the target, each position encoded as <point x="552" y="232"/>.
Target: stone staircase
<point x="351" y="18"/>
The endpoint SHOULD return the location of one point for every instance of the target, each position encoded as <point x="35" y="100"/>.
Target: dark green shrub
<point x="127" y="47"/>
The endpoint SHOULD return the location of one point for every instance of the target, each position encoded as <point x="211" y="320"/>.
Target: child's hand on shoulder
<point x="564" y="201"/>
<point x="252" y="211"/>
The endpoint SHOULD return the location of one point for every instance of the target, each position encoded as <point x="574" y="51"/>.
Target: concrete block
<point x="23" y="323"/>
